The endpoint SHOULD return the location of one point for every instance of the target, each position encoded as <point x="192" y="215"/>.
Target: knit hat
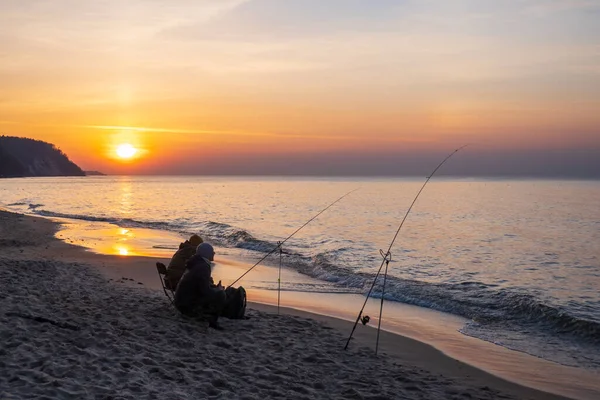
<point x="206" y="250"/>
<point x="195" y="240"/>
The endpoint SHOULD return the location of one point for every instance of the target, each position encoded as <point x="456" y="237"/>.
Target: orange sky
<point x="220" y="80"/>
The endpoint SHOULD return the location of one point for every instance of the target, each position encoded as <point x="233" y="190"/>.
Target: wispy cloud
<point x="549" y="7"/>
<point x="279" y="135"/>
<point x="227" y="133"/>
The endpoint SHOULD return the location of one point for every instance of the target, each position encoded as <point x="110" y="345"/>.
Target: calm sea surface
<point x="519" y="259"/>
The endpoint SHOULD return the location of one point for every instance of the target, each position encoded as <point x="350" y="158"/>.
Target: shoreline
<point x="140" y="271"/>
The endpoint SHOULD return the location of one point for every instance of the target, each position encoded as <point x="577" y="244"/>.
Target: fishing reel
<point x="365" y="320"/>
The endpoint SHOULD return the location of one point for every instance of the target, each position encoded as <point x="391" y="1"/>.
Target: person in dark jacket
<point x="176" y="266"/>
<point x="196" y="291"/>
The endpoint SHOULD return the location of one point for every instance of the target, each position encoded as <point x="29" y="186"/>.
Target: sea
<point x="518" y="259"/>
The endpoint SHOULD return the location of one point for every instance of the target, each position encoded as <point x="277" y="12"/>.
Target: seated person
<point x="196" y="292"/>
<point x="176" y="266"/>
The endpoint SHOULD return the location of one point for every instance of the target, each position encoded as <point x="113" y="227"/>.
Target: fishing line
<point x="387" y="255"/>
<point x="286" y="239"/>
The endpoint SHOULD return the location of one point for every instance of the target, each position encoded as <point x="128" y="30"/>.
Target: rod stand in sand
<point x="363" y="306"/>
<point x="385" y="259"/>
<point x="279" y="277"/>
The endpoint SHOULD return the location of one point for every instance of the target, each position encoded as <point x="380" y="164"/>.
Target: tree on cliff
<point x="28" y="157"/>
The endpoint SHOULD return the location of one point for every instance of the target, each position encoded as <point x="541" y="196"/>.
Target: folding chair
<point x="162" y="275"/>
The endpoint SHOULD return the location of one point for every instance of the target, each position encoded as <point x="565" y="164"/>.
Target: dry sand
<point x="68" y="331"/>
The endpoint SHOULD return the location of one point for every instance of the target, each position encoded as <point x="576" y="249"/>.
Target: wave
<point x="122" y="222"/>
<point x="484" y="303"/>
<point x="304" y="287"/>
<point x="231" y="236"/>
<point x="530" y="309"/>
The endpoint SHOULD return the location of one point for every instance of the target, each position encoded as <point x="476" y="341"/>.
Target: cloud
<point x="107" y="26"/>
<point x="268" y="19"/>
<point x="546" y="8"/>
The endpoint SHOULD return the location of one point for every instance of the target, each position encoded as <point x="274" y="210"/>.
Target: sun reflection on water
<point x="106" y="238"/>
<point x="126" y="201"/>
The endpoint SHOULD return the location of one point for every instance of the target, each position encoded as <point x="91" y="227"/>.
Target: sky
<point x="316" y="87"/>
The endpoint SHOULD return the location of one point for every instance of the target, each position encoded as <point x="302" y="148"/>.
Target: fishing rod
<point x="279" y="244"/>
<point x="387" y="256"/>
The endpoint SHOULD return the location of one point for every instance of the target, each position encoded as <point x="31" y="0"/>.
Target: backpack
<point x="235" y="305"/>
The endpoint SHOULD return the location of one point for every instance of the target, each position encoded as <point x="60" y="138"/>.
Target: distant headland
<point x="93" y="173"/>
<point x="23" y="157"/>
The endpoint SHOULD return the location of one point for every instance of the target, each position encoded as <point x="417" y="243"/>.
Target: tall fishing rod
<point x="279" y="244"/>
<point x="387" y="256"/>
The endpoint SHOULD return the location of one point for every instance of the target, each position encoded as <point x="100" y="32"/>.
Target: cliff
<point x="20" y="157"/>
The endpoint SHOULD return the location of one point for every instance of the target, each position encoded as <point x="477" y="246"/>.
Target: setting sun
<point x="126" y="151"/>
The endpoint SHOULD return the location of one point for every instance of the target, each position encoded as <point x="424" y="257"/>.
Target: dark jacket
<point x="195" y="285"/>
<point x="176" y="267"/>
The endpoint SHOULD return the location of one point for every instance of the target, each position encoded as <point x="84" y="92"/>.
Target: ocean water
<point x="519" y="259"/>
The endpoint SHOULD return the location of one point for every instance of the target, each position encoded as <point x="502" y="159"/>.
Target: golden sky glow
<point x="216" y="80"/>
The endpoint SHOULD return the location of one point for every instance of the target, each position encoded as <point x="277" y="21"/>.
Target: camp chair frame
<point x="162" y="274"/>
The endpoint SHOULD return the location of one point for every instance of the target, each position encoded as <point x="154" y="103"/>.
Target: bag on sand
<point x="235" y="305"/>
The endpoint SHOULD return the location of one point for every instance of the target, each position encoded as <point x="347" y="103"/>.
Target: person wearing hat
<point x="196" y="292"/>
<point x="176" y="266"/>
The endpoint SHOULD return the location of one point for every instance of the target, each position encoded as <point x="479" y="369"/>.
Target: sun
<point x="126" y="151"/>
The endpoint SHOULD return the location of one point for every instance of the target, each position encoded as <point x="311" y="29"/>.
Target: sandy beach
<point x="73" y="326"/>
